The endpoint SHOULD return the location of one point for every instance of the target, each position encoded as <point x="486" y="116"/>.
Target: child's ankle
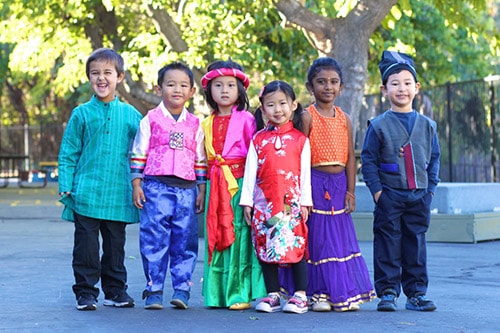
<point x="301" y="295"/>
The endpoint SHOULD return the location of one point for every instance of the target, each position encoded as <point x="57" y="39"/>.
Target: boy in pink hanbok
<point x="168" y="158"/>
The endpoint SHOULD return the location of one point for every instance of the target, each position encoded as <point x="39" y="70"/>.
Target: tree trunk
<point x="172" y="35"/>
<point x="345" y="39"/>
<point x="16" y="98"/>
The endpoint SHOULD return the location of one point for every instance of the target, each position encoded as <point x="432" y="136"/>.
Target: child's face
<point x="224" y="91"/>
<point x="325" y="86"/>
<point x="401" y="89"/>
<point x="278" y="108"/>
<point x="175" y="90"/>
<point x="103" y="79"/>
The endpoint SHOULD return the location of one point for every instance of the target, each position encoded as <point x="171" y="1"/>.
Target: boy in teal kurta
<point x="94" y="184"/>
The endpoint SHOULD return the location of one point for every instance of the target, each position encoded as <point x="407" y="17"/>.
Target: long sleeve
<point x="433" y="167"/>
<point x="305" y="175"/>
<point x="200" y="164"/>
<point x="140" y="148"/>
<point x="70" y="152"/>
<point x="369" y="158"/>
<point x="250" y="177"/>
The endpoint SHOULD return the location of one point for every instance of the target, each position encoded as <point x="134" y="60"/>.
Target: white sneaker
<point x="296" y="304"/>
<point x="270" y="303"/>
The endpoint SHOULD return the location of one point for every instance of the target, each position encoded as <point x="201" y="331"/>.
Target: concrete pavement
<point x="36" y="280"/>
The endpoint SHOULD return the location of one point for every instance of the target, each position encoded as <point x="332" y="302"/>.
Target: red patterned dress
<point x="277" y="184"/>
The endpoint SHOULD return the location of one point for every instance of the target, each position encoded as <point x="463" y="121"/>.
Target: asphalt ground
<point x="36" y="279"/>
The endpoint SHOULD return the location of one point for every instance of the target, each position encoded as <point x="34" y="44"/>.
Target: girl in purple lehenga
<point x="338" y="277"/>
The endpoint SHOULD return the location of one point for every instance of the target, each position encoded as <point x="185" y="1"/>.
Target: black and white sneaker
<point x="120" y="301"/>
<point x="420" y="303"/>
<point x="387" y="302"/>
<point x="86" y="303"/>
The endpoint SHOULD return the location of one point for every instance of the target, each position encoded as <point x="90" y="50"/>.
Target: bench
<point x="50" y="168"/>
<point x="14" y="167"/>
<point x="460" y="212"/>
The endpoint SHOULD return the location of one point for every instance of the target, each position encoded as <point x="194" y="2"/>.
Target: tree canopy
<point x="44" y="44"/>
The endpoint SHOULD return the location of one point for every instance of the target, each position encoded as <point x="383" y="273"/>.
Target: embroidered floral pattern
<point x="279" y="231"/>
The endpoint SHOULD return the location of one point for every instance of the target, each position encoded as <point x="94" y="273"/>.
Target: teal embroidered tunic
<point x="94" y="161"/>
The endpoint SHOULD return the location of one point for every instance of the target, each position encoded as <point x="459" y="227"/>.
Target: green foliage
<point x="249" y="32"/>
<point x="450" y="41"/>
<point x="44" y="44"/>
<point x="46" y="62"/>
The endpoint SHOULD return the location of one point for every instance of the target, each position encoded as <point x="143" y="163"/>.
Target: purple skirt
<point x="337" y="272"/>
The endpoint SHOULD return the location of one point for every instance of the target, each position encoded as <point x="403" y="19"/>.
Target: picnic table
<point x="16" y="167"/>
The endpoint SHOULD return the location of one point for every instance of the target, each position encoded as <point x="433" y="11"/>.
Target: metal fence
<point x="33" y="147"/>
<point x="467" y="114"/>
<point x="468" y="119"/>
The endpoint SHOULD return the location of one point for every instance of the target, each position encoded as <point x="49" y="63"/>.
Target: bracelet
<point x="350" y="194"/>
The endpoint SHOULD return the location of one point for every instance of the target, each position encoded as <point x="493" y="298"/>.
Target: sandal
<point x="239" y="306"/>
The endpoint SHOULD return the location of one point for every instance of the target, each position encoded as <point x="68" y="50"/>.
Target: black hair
<point x="275" y="86"/>
<point x="175" y="66"/>
<point x="324" y="63"/>
<point x="105" y="54"/>
<point x="242" y="102"/>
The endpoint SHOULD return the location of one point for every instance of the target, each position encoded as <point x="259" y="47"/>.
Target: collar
<point x="98" y="101"/>
<point x="280" y="129"/>
<point x="167" y="113"/>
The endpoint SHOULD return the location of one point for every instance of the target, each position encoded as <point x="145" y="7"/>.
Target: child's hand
<point x="200" y="198"/>
<point x="200" y="202"/>
<point x="138" y="197"/>
<point x="247" y="211"/>
<point x="305" y="213"/>
<point x="349" y="204"/>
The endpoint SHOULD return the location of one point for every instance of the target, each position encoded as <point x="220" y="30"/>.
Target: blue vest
<point x="397" y="145"/>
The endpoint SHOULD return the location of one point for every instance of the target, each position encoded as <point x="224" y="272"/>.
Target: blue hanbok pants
<point x="168" y="234"/>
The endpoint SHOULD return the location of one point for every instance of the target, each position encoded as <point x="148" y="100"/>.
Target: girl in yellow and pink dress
<point x="232" y="276"/>
<point x="276" y="195"/>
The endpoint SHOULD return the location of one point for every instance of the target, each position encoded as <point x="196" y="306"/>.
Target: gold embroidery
<point x="323" y="261"/>
<point x="328" y="212"/>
